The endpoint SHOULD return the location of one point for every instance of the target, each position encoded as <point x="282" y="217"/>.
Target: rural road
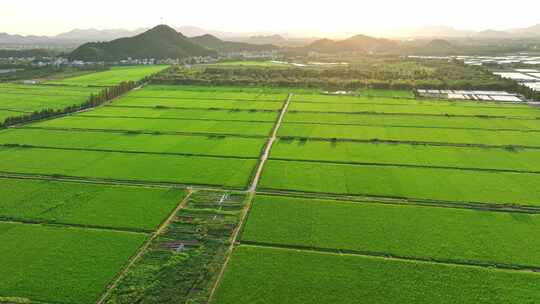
<point x="268" y="147"/>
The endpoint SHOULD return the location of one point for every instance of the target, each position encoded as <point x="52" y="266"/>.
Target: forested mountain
<point x="160" y="42"/>
<point x="214" y="43"/>
<point x="355" y="44"/>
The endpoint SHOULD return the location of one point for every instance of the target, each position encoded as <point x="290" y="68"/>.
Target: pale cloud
<point x="312" y="17"/>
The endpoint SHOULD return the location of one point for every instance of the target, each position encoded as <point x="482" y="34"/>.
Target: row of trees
<point x="94" y="100"/>
<point x="385" y="73"/>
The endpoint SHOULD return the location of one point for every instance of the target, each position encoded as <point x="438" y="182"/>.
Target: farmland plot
<point x="414" y="121"/>
<point x="235" y="115"/>
<point x="412" y="134"/>
<point x="86" y="204"/>
<point x="209" y="93"/>
<point x="128" y="142"/>
<point x="112" y="77"/>
<point x="407" y="154"/>
<point x="159" y="125"/>
<point x="199" y="104"/>
<point x="393" y="181"/>
<point x="61" y="265"/>
<point x="228" y="172"/>
<point x="525" y="112"/>
<point x="292" y="276"/>
<point x="443" y="234"/>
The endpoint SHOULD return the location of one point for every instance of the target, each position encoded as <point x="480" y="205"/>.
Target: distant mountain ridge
<point x="214" y="43"/>
<point x="160" y="42"/>
<point x="356" y="44"/>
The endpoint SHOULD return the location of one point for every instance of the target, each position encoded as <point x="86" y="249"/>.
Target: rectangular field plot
<point x="453" y="185"/>
<point x="209" y="92"/>
<point x="387" y="93"/>
<point x="412" y="134"/>
<point x="293" y="276"/>
<point x="406" y="102"/>
<point x="407" y="154"/>
<point x="86" y="204"/>
<point x="112" y="77"/>
<point x="235" y="115"/>
<point x="444" y="234"/>
<point x="16" y="100"/>
<point x="413" y="121"/>
<point x="147" y="143"/>
<point x="229" y="172"/>
<point x="454" y="109"/>
<point x="61" y="265"/>
<point x="160" y="125"/>
<point x="198" y="103"/>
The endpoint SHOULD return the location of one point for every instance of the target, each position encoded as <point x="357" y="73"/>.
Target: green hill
<point x="160" y="42"/>
<point x="221" y="46"/>
<point x="355" y="44"/>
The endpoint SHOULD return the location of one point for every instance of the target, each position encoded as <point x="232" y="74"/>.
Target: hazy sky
<point x="314" y="17"/>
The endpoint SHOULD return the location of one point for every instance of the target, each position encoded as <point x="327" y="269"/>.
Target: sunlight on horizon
<point x="340" y="18"/>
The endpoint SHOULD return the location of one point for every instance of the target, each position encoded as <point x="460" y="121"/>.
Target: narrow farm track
<point x="143" y="249"/>
<point x="251" y="194"/>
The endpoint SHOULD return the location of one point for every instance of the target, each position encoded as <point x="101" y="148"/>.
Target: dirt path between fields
<point x="143" y="249"/>
<point x="251" y="193"/>
<point x="268" y="148"/>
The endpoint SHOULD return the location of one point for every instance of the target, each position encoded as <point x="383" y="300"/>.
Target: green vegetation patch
<point x="86" y="204"/>
<point x="61" y="265"/>
<point x="412" y="134"/>
<point x="229" y="172"/>
<point x="18" y="99"/>
<point x="212" y="92"/>
<point x="181" y="265"/>
<point x="266" y="275"/>
<point x="407" y="154"/>
<point x="441" y="109"/>
<point x="413" y="121"/>
<point x="135" y="142"/>
<point x="168" y="113"/>
<point x="193" y="103"/>
<point x="160" y="125"/>
<point x="445" y="234"/>
<point x="112" y="77"/>
<point x="391" y="181"/>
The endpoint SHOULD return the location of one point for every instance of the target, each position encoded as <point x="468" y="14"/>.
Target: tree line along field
<point x="20" y="99"/>
<point x="111" y="77"/>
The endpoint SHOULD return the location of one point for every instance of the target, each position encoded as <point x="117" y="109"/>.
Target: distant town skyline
<point x="310" y="18"/>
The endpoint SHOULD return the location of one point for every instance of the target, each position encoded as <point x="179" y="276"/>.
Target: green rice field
<point x="135" y="142"/>
<point x="159" y="125"/>
<point x="407" y="154"/>
<point x="111" y="77"/>
<point x="86" y="204"/>
<point x="60" y="264"/>
<point x="219" y="115"/>
<point x="413" y="134"/>
<point x="399" y="230"/>
<point x="394" y="181"/>
<point x="209" y="104"/>
<point x="396" y="120"/>
<point x="454" y="109"/>
<point x="19" y="99"/>
<point x="229" y="172"/>
<point x="268" y="275"/>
